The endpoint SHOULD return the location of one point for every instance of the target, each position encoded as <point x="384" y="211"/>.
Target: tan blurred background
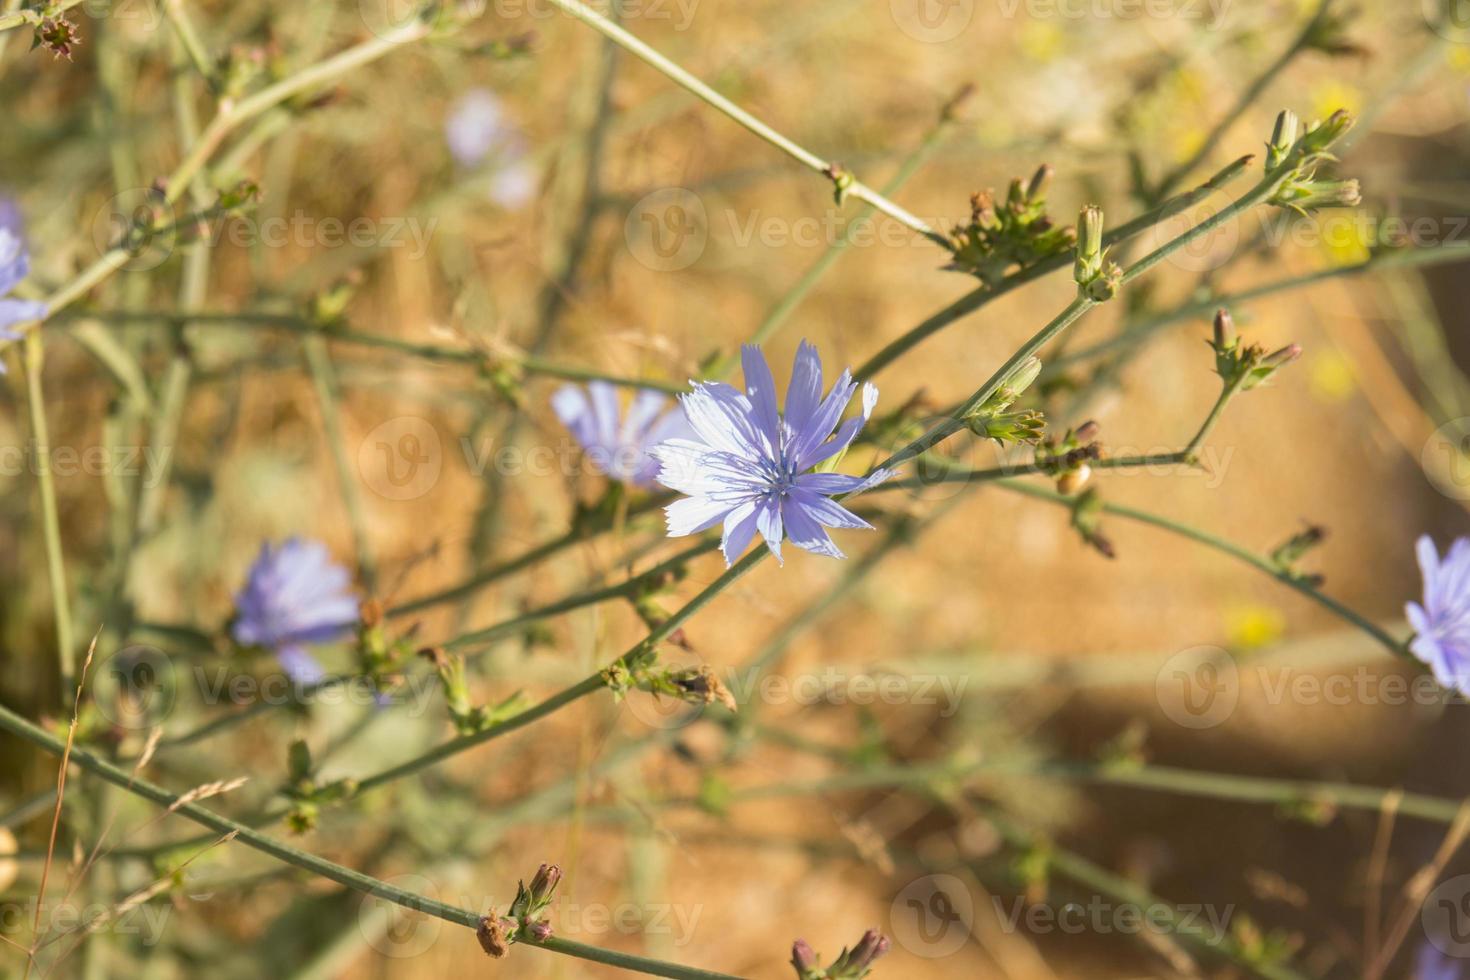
<point x="997" y="590"/>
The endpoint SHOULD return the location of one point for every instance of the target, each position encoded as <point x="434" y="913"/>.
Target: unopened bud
<point x="1283" y="138"/>
<point x="1039" y="180"/>
<point x="1225" y="336"/>
<point x="1282" y="357"/>
<point x="548" y="876"/>
<point x="803" y="959"/>
<point x="1087" y="431"/>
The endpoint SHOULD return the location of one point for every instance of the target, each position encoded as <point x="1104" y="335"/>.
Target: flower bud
<point x="1225" y="336"/>
<point x="548" y="876"/>
<point x="803" y="960"/>
<point x="1039" y="180"/>
<point x="1283" y="138"/>
<point x="1087" y="431"/>
<point x="538" y="931"/>
<point x="1282" y="357"/>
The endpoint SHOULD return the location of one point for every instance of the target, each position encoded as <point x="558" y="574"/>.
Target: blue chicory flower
<point x="294" y="596"/>
<point x="618" y="447"/>
<point x="1432" y="963"/>
<point x="476" y="129"/>
<point x="750" y="465"/>
<point x="1442" y="624"/>
<point x="15" y="265"/>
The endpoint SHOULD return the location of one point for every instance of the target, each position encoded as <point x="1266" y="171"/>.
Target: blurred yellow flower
<point x="1333" y="94"/>
<point x="1042" y="40"/>
<point x="1252" y="627"/>
<point x="1348" y="239"/>
<point x="1330" y="376"/>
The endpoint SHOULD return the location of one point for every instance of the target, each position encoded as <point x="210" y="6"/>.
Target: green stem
<point x="577" y="691"/>
<point x="295" y="324"/>
<point x="684" y="79"/>
<point x="1262" y="564"/>
<point x="306" y="861"/>
<point x="324" y="381"/>
<point x="1228" y="392"/>
<point x="983" y="295"/>
<point x="50" y="517"/>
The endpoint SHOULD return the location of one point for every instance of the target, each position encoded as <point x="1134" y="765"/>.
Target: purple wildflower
<point x="619" y="448"/>
<point x="1442" y="624"/>
<point x="749" y="465"/>
<point x="294" y="596"/>
<point x="477" y="129"/>
<point x="1433" y="964"/>
<point x="15" y="265"/>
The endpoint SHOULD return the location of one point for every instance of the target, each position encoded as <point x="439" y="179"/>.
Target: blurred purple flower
<point x="619" y="448"/>
<point x="1433" y="964"/>
<point x="1442" y="624"/>
<point x="294" y="596"/>
<point x="748" y="466"/>
<point x="15" y="265"/>
<point x="476" y="129"/>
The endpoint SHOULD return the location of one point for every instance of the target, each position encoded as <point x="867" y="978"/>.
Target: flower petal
<point x="740" y="526"/>
<point x="805" y="532"/>
<point x="690" y="515"/>
<point x="722" y="418"/>
<point x="760" y="389"/>
<point x="769" y="520"/>
<point x="804" y="391"/>
<point x="826" y="512"/>
<point x="13" y="311"/>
